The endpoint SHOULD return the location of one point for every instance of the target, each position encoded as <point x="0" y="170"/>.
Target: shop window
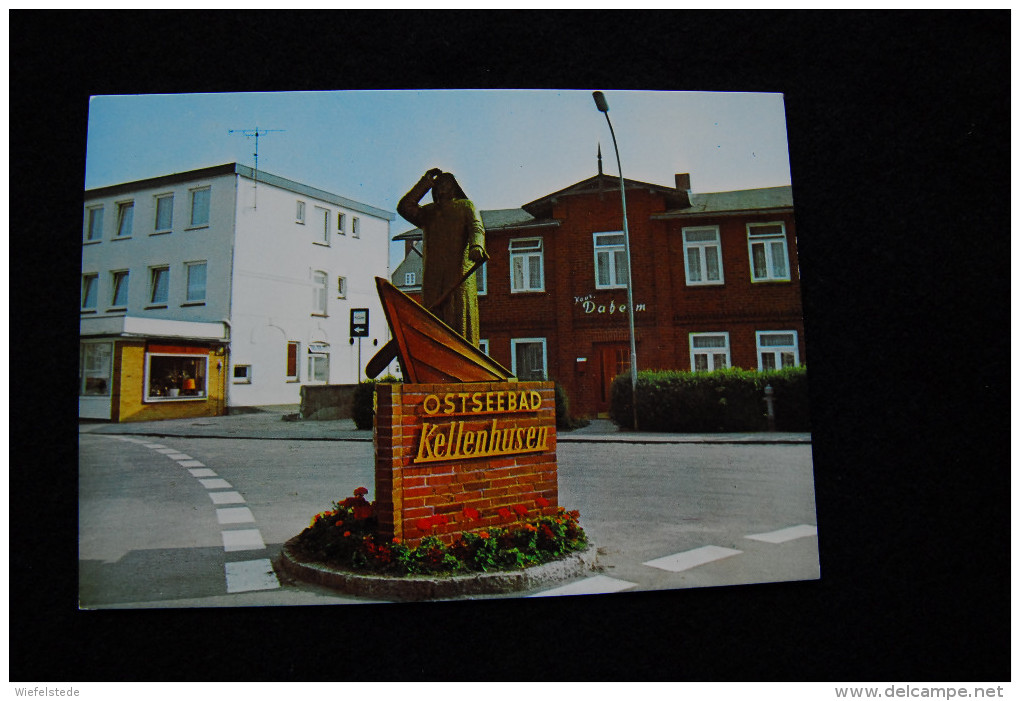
<point x="242" y="374"/>
<point x="196" y="282"/>
<point x="164" y="214"/>
<point x="299" y="215"/>
<point x="318" y="362"/>
<point x="170" y="377"/>
<point x="125" y="219"/>
<point x="777" y="349"/>
<point x="526" y="265"/>
<point x="710" y="351"/>
<point x="766" y="245"/>
<point x="119" y="298"/>
<point x="610" y="260"/>
<point x="702" y="258"/>
<point x="94" y="372"/>
<point x="293" y="349"/>
<point x="528" y="358"/>
<point x="89" y="291"/>
<point x="94" y="224"/>
<point x="200" y="207"/>
<point x="159" y="285"/>
<point x="319" y="293"/>
<point x="322" y="226"/>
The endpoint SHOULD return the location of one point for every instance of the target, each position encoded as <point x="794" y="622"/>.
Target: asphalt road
<point x="154" y="531"/>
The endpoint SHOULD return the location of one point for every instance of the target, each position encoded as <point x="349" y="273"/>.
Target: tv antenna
<point x="248" y="133"/>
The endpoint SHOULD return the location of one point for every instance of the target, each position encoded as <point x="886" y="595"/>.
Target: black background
<point x="899" y="137"/>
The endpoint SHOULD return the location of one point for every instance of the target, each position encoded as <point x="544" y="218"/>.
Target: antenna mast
<point x="248" y="133"/>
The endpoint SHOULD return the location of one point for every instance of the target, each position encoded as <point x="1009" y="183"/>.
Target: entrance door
<point x="614" y="359"/>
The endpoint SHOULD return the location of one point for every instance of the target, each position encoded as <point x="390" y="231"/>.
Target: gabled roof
<point x="764" y="199"/>
<point x="493" y="220"/>
<point x="542" y="207"/>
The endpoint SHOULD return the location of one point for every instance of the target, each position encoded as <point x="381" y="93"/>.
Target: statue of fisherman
<point x="453" y="241"/>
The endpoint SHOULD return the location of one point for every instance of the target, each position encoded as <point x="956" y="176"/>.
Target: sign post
<point x="359" y="330"/>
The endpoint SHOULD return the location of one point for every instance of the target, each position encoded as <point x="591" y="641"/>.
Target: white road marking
<point x="600" y="584"/>
<point x="785" y="534"/>
<point x="154" y="446"/>
<point x="226" y="497"/>
<point x="252" y="575"/>
<point x="191" y="463"/>
<point x="178" y="456"/>
<point x="202" y="472"/>
<point x="166" y="451"/>
<point x="216" y="484"/>
<point x="692" y="558"/>
<point x="242" y="540"/>
<point x="236" y="514"/>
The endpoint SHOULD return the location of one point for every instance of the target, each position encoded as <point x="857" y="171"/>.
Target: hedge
<point x="731" y="400"/>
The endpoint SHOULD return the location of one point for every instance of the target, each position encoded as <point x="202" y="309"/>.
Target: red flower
<point x="542" y="501"/>
<point x="339" y="523"/>
<point x="484" y="535"/>
<point x="346" y="533"/>
<point x="424" y="524"/>
<point x="471" y="514"/>
<point x="504" y="513"/>
<point x="521" y="509"/>
<point x="360" y="492"/>
<point x="362" y="511"/>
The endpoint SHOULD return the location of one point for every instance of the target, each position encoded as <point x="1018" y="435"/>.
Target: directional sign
<point x="359" y="323"/>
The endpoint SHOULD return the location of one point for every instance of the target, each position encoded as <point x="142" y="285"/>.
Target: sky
<point x="506" y="147"/>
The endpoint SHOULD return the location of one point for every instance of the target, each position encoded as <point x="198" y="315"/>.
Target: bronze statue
<point x="453" y="242"/>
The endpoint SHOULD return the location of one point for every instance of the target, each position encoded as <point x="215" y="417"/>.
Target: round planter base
<point x="423" y="588"/>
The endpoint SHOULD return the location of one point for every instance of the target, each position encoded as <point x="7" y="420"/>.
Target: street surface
<point x="185" y="521"/>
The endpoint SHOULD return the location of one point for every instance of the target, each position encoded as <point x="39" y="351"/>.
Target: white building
<point x="216" y="288"/>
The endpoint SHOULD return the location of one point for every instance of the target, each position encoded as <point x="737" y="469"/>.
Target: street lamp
<point x="603" y="106"/>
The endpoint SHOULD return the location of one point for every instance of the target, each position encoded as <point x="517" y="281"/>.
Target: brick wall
<point x="426" y="440"/>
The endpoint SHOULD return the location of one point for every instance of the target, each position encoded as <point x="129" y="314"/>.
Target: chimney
<point x="683" y="189"/>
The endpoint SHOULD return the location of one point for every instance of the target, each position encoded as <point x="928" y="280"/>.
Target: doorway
<point x="614" y="359"/>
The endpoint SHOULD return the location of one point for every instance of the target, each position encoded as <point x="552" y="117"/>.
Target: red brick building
<point x="716" y="283"/>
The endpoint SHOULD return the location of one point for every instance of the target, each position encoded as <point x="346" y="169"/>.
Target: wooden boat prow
<point x="430" y="351"/>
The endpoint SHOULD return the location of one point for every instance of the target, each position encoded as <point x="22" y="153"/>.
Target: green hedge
<point x="731" y="400"/>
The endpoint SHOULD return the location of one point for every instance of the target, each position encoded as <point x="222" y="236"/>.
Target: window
<point x="777" y="349"/>
<point x="766" y="244"/>
<point x="341" y="288"/>
<point x="125" y="219"/>
<point x="341" y="223"/>
<point x="322" y="224"/>
<point x="483" y="345"/>
<point x="355" y="227"/>
<point x="410" y="279"/>
<point x="482" y="276"/>
<point x="610" y="260"/>
<point x="94" y="369"/>
<point x="299" y="215"/>
<point x="242" y="374"/>
<point x="526" y="265"/>
<point x="702" y="257"/>
<point x="175" y="377"/>
<point x="196" y="282"/>
<point x="710" y="351"/>
<point x="119" y="298"/>
<point x="164" y="213"/>
<point x="319" y="293"/>
<point x="318" y="362"/>
<point x="94" y="224"/>
<point x="200" y="207"/>
<point x="293" y="349"/>
<point x="528" y="358"/>
<point x="89" y="291"/>
<point x="159" y="285"/>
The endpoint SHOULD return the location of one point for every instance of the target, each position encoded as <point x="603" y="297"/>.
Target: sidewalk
<point x="271" y="423"/>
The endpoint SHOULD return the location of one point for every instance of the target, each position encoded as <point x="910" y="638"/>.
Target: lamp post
<point x="603" y="107"/>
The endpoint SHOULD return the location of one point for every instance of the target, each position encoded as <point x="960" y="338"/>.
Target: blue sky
<point x="507" y="147"/>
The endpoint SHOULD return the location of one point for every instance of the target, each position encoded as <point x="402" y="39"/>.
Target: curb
<point x="430" y="588"/>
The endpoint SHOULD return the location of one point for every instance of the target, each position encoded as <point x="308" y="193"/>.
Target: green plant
<point x="564" y="420"/>
<point x="363" y="402"/>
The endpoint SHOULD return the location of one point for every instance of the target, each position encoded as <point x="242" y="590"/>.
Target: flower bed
<point x="345" y="537"/>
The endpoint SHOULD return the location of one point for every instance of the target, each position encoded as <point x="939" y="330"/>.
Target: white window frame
<point x="776" y="351"/>
<point x="199" y="223"/>
<point x="700" y="250"/>
<point x="611" y="249"/>
<point x="245" y="379"/>
<point x="154" y="272"/>
<point x="89" y="284"/>
<point x="204" y="391"/>
<point x="299" y="214"/>
<point x="482" y="279"/>
<point x="156" y="228"/>
<point x="125" y="220"/>
<point x="355" y="227"/>
<point x="96" y="361"/>
<point x="528" y="250"/>
<point x="341" y="287"/>
<point x="410" y="279"/>
<point x="296" y="377"/>
<point x="119" y="279"/>
<point x="94" y="229"/>
<point x="710" y="352"/>
<point x="188" y="267"/>
<point x="514" y="342"/>
<point x="320" y="298"/>
<point x="314" y="354"/>
<point x="483" y="345"/>
<point x="322" y="235"/>
<point x="765" y="241"/>
<point x="341" y="223"/>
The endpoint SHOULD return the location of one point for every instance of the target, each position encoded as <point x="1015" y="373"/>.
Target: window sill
<point x="321" y="243"/>
<point x="121" y="238"/>
<point x="321" y="316"/>
<point x="154" y="306"/>
<point x="194" y="304"/>
<point x="528" y="292"/>
<point x="292" y="381"/>
<point x="242" y="382"/>
<point x="707" y="284"/>
<point x="92" y="242"/>
<point x="196" y="227"/>
<point x="89" y="311"/>
<point x="161" y="400"/>
<point x="610" y="287"/>
<point x="768" y="280"/>
<point x="116" y="309"/>
<point x="161" y="233"/>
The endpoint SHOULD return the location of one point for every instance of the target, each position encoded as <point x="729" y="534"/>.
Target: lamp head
<point x="600" y="101"/>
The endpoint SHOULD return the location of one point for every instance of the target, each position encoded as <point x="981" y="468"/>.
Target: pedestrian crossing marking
<point x="785" y="534"/>
<point x="216" y="484"/>
<point x="692" y="558"/>
<point x="226" y="498"/>
<point x="252" y="575"/>
<point x="236" y="514"/>
<point x="599" y="584"/>
<point x="249" y="539"/>
<point x="202" y="472"/>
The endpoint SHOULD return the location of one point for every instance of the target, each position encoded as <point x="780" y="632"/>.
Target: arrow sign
<point x="359" y="323"/>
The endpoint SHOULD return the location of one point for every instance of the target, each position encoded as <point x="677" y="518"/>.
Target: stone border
<point x="421" y="588"/>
